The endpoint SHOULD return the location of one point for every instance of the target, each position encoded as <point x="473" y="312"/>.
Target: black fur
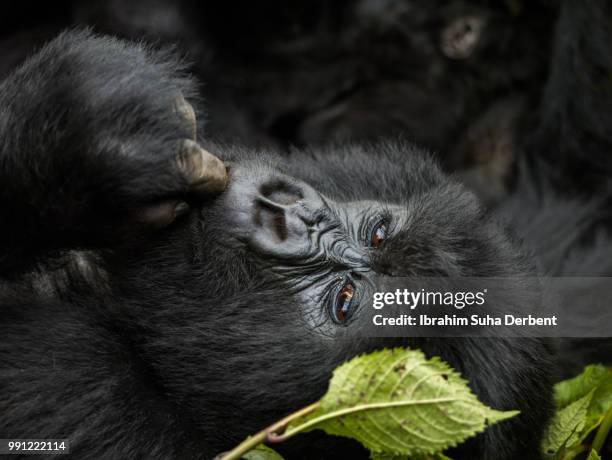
<point x="171" y="343"/>
<point x="92" y="121"/>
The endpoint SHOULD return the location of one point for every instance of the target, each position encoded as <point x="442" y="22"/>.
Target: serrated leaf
<point x="262" y="452"/>
<point x="594" y="377"/>
<point x="565" y="429"/>
<point x="398" y="402"/>
<point x="385" y="456"/>
<point x="593" y="456"/>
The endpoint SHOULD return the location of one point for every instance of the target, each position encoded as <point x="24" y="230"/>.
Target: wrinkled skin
<point x="153" y="307"/>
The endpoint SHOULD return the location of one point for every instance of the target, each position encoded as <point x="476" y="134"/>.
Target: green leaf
<point x="591" y="423"/>
<point x="603" y="431"/>
<point x="262" y="452"/>
<point x="602" y="398"/>
<point x="593" y="456"/>
<point x="594" y="377"/>
<point x="565" y="429"/>
<point x="398" y="402"/>
<point x="384" y="456"/>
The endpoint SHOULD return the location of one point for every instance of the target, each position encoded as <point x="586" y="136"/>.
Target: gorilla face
<point x="258" y="296"/>
<point x="322" y="250"/>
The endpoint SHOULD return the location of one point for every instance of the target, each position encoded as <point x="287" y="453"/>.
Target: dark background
<point x="299" y="73"/>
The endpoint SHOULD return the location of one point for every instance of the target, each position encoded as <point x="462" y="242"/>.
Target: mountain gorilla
<point x="146" y="318"/>
<point x="162" y="301"/>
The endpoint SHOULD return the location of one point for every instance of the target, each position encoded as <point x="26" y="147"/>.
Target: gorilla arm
<point x="97" y="142"/>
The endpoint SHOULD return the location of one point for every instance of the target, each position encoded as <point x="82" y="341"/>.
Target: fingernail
<point x="181" y="209"/>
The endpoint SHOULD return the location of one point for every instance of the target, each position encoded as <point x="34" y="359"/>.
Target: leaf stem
<point x="273" y="437"/>
<point x="602" y="431"/>
<point x="264" y="435"/>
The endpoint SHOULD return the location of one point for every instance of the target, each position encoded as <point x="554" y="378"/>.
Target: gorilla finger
<point x="162" y="214"/>
<point x="205" y="172"/>
<point x="185" y="112"/>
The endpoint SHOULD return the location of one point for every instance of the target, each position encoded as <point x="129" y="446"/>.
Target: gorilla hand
<point x="97" y="144"/>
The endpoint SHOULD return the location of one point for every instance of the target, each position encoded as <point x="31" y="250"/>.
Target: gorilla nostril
<point x="280" y="192"/>
<point x="277" y="212"/>
<point x="271" y="216"/>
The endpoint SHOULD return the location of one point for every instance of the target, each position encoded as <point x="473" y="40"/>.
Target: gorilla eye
<point x="379" y="234"/>
<point x="342" y="303"/>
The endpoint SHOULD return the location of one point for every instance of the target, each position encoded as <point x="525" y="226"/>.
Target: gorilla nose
<point x="270" y="211"/>
<point x="276" y="209"/>
<point x="281" y="192"/>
